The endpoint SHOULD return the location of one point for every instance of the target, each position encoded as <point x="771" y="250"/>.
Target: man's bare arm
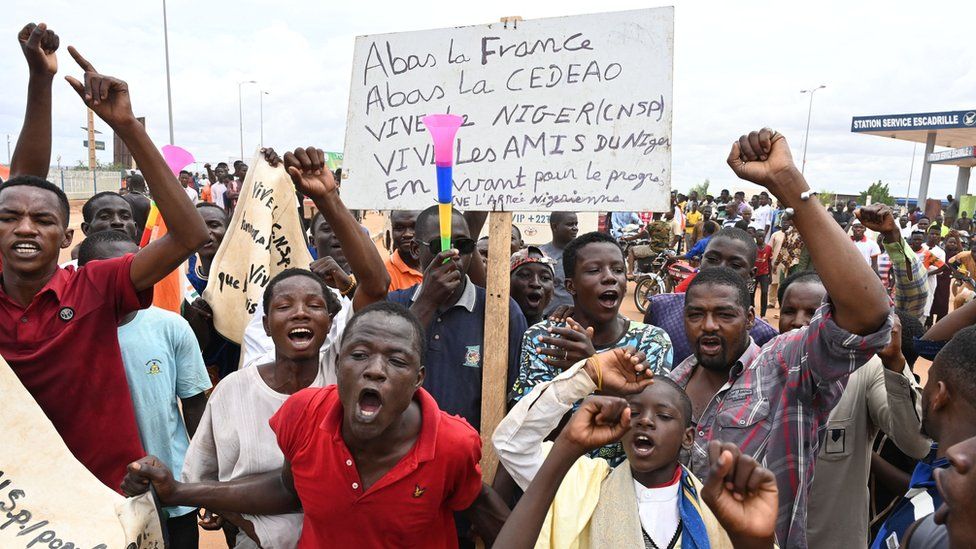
<point x="109" y="98"/>
<point x="32" y="156"/>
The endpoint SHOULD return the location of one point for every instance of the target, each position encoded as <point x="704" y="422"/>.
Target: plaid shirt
<point x="775" y="406"/>
<point x="667" y="311"/>
<point x="910" y="287"/>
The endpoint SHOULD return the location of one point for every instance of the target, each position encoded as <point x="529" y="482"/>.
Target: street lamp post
<point x="169" y="92"/>
<point x="806" y="136"/>
<point x="240" y="108"/>
<point x="263" y="93"/>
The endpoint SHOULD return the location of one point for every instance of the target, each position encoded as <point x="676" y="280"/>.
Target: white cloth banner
<point x="264" y="238"/>
<point x="47" y="497"/>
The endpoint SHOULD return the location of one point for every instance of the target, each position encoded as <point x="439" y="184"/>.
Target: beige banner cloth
<point x="264" y="238"/>
<point x="48" y="498"/>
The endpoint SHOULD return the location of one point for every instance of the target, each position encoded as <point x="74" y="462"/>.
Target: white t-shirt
<point x="234" y="440"/>
<point x="868" y="248"/>
<point x="658" y="510"/>
<point x="258" y="347"/>
<point x="762" y="217"/>
<point x="217" y="191"/>
<point x="192" y="193"/>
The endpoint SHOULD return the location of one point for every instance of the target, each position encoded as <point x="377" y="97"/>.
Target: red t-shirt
<point x="412" y="505"/>
<point x="64" y="348"/>
<point x="763" y="255"/>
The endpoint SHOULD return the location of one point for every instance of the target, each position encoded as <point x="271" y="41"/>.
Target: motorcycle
<point x="659" y="275"/>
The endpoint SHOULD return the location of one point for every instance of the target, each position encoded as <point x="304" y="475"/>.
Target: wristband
<point x="599" y="372"/>
<point x="351" y="287"/>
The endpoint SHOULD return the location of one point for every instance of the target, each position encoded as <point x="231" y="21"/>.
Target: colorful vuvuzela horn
<point x="443" y="128"/>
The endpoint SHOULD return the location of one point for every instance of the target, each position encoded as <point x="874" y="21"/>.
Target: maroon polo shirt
<point x="64" y="348"/>
<point x="412" y="505"/>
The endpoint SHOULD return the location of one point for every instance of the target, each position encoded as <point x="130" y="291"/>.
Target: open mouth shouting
<point x="369" y="404"/>
<point x="26" y="249"/>
<point x="710" y="345"/>
<point x="643" y="445"/>
<point x="301" y="337"/>
<point x="609" y="299"/>
<point x="533" y="299"/>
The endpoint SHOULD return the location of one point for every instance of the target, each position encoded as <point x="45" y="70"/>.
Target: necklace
<point x="199" y="269"/>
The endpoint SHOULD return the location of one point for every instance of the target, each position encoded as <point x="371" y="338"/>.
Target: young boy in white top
<point x="650" y="500"/>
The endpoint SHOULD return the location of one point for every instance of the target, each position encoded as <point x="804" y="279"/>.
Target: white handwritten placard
<point x="47" y="497"/>
<point x="568" y="113"/>
<point x="265" y="237"/>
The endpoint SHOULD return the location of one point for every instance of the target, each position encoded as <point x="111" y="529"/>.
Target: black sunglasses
<point x="464" y="246"/>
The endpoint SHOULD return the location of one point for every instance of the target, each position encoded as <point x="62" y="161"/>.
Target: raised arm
<point x="109" y="98"/>
<point x="33" y="153"/>
<point x="910" y="287"/>
<point x="859" y="300"/>
<point x="599" y="421"/>
<point x="518" y="438"/>
<point x="314" y="179"/>
<point x="270" y="493"/>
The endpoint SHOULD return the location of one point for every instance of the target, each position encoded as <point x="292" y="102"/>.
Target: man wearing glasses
<point x="452" y="310"/>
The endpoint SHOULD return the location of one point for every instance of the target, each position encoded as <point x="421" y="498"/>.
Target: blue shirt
<point x="667" y="311"/>
<point x="455" y="349"/>
<point x="162" y="364"/>
<point x="922" y="499"/>
<point x="619" y="220"/>
<point x="699" y="248"/>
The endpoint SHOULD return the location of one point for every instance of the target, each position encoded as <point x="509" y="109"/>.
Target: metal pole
<point x="263" y="93"/>
<point x="806" y="136"/>
<point x="240" y="108"/>
<point x="91" y="141"/>
<point x="169" y="91"/>
<point x="911" y="171"/>
<point x="8" y="149"/>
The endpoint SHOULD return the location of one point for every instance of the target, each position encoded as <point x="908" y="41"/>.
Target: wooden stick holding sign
<point x="494" y="375"/>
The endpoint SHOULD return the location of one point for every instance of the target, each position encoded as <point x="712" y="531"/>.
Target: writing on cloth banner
<point x="561" y="114"/>
<point x="265" y="237"/>
<point x="47" y="497"/>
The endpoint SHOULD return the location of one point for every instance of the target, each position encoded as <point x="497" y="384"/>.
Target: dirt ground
<point x="376" y="223"/>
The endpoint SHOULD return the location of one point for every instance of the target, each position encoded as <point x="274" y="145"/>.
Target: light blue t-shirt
<point x="162" y="363"/>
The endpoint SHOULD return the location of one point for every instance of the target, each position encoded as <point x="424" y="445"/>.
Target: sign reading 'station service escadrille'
<point x="562" y="114"/>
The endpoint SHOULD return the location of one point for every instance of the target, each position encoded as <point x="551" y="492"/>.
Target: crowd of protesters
<point x="351" y="413"/>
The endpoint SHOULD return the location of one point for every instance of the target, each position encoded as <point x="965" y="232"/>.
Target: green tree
<point x="878" y="192"/>
<point x="826" y="197"/>
<point x="701" y="189"/>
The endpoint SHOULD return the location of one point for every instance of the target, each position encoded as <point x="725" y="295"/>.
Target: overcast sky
<point x="738" y="66"/>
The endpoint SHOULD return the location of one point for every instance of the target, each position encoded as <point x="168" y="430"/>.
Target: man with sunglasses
<point x="452" y="310"/>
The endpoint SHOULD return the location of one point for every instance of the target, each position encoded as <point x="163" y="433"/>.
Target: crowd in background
<point x="350" y="413"/>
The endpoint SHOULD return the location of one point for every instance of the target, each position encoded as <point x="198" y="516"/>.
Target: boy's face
<point x="327" y="243"/>
<point x="732" y="253"/>
<point x="32" y="229"/>
<point x="216" y="222"/>
<point x="297" y="318"/>
<point x="111" y="213"/>
<point x="377" y="374"/>
<point x="532" y="287"/>
<point x="599" y="283"/>
<point x="402" y="226"/>
<point x="657" y="429"/>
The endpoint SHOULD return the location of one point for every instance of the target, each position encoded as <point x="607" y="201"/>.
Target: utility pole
<point x="91" y="140"/>
<point x="8" y="149"/>
<point x="806" y="136"/>
<point x="169" y="92"/>
<point x="263" y="93"/>
<point x="240" y="110"/>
